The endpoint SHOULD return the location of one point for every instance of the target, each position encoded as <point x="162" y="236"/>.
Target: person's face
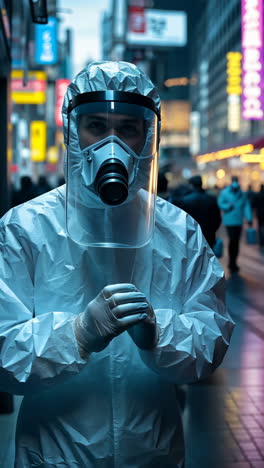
<point x="95" y="127"/>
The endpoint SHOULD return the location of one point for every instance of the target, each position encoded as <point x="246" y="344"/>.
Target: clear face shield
<point x="112" y="158"/>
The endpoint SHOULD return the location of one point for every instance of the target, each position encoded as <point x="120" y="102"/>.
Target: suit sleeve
<point x="35" y="352"/>
<point x="194" y="339"/>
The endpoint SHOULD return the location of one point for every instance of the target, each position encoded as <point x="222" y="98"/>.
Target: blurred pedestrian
<point x="202" y="207"/>
<point x="258" y="207"/>
<point x="235" y="206"/>
<point x="179" y="192"/>
<point x="60" y="181"/>
<point x="162" y="186"/>
<point x="42" y="186"/>
<point x="250" y="195"/>
<point x="26" y="192"/>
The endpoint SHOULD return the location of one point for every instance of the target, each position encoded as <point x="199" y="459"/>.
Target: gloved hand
<point x="115" y="309"/>
<point x="145" y="334"/>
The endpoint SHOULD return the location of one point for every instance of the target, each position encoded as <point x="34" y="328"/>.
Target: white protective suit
<point x="118" y="408"/>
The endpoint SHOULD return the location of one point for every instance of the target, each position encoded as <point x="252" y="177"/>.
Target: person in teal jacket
<point x="236" y="207"/>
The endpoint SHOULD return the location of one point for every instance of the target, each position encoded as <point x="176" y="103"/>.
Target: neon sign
<point x="252" y="61"/>
<point x="233" y="89"/>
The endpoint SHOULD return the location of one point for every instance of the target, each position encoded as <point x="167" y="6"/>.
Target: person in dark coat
<point x="27" y="191"/>
<point x="203" y="208"/>
<point x="162" y="186"/>
<point x="258" y="207"/>
<point x="179" y="192"/>
<point x="42" y="186"/>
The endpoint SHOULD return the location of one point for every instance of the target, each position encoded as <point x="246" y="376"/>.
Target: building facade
<point x="224" y="141"/>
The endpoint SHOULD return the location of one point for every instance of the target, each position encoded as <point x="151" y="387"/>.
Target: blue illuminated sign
<point x="46" y="48"/>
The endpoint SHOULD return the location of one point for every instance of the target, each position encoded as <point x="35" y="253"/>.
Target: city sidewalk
<point x="224" y="416"/>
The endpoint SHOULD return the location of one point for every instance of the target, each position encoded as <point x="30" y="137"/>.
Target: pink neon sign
<point x="252" y="60"/>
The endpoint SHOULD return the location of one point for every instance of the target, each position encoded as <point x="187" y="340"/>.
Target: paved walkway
<point x="224" y="419"/>
<point x="224" y="416"/>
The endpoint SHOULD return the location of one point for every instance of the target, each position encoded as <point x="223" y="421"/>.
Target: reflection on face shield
<point x="95" y="127"/>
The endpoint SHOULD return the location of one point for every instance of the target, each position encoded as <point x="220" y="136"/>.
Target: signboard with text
<point x="35" y="90"/>
<point x="233" y="89"/>
<point x="252" y="60"/>
<point x="61" y="88"/>
<point x="38" y="139"/>
<point x="156" y="27"/>
<point x="46" y="51"/>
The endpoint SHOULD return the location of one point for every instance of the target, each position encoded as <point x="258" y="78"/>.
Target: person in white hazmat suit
<point x="109" y="296"/>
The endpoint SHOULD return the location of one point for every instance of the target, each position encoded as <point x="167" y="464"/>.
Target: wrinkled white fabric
<point x="107" y="75"/>
<point x="119" y="408"/>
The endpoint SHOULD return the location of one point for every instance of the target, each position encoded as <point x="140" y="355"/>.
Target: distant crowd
<point x="229" y="206"/>
<point x="28" y="189"/>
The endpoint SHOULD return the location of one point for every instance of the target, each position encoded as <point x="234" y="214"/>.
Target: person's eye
<point x="128" y="130"/>
<point x="96" y="127"/>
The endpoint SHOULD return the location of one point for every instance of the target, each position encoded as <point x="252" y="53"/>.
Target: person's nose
<point x="112" y="131"/>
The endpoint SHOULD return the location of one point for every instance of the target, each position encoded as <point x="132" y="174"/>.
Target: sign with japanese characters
<point x="234" y="90"/>
<point x="159" y="28"/>
<point x="46" y="51"/>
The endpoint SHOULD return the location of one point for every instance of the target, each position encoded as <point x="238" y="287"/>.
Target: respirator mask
<point x="112" y="157"/>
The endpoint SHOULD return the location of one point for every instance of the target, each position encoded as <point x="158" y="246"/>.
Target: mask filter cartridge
<point x="111" y="183"/>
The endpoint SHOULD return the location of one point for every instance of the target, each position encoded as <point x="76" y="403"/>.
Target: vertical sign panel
<point x="61" y="88"/>
<point x="46" y="51"/>
<point x="234" y="90"/>
<point x="252" y="61"/>
<point x="137" y="21"/>
<point x="38" y="137"/>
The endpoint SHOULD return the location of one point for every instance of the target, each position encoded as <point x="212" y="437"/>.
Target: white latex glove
<point x="116" y="308"/>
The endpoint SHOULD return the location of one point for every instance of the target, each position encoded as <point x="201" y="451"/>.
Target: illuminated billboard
<point x="234" y="90"/>
<point x="38" y="140"/>
<point x="35" y="90"/>
<point x="156" y="27"/>
<point x="46" y="44"/>
<point x="252" y="60"/>
<point x="61" y="88"/>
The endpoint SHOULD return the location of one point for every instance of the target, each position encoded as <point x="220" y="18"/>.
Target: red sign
<point x="61" y="88"/>
<point x="32" y="85"/>
<point x="137" y="21"/>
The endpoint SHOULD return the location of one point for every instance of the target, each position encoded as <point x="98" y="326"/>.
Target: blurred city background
<point x="209" y="81"/>
<point x="206" y="59"/>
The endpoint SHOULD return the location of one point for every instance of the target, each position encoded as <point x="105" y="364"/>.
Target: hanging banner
<point x="38" y="139"/>
<point x="60" y="90"/>
<point x="46" y="48"/>
<point x="252" y="60"/>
